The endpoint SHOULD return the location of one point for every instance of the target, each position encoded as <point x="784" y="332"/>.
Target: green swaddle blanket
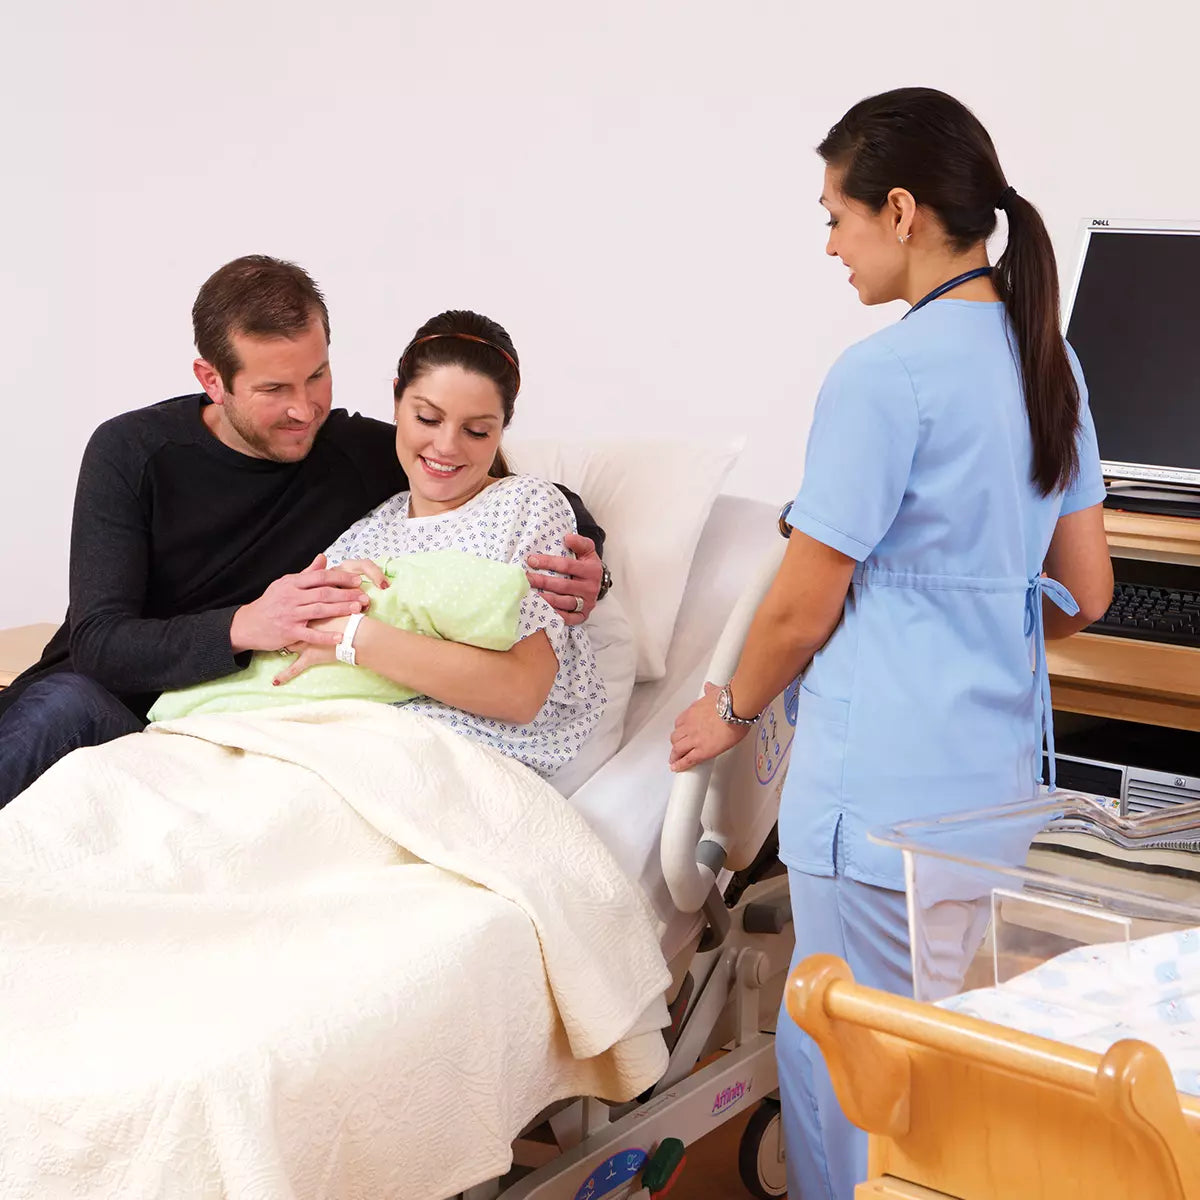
<point x="445" y="594"/>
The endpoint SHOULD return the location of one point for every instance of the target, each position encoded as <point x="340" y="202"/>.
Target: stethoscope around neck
<point x="785" y="529"/>
<point x="949" y="286"/>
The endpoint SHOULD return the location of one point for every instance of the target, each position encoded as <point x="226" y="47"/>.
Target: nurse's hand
<point x="700" y="734"/>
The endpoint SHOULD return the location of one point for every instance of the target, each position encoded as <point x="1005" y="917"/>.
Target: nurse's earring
<point x="903" y="237"/>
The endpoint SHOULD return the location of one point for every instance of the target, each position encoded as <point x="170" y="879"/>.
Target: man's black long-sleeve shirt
<point x="173" y="531"/>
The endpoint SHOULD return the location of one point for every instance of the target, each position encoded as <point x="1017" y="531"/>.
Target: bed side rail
<point x="717" y="810"/>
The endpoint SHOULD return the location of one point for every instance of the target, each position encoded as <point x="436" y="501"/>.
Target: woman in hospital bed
<point x="455" y="388"/>
<point x="536" y="700"/>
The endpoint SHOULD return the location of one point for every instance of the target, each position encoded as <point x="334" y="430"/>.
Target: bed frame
<point x="728" y="981"/>
<point x="961" y="1109"/>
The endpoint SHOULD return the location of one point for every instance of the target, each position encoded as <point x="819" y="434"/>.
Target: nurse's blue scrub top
<point x="924" y="700"/>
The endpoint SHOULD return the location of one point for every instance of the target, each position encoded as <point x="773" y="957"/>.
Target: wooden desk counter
<point x="21" y="647"/>
<point x="1146" y="535"/>
<point x="1149" y="682"/>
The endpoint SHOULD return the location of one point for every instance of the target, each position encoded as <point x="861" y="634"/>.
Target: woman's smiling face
<point x="448" y="427"/>
<point x="865" y="241"/>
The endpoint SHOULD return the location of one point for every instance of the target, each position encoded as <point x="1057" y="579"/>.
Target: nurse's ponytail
<point x="1027" y="279"/>
<point x="934" y="147"/>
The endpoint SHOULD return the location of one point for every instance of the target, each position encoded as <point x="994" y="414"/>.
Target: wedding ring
<point x="579" y="604"/>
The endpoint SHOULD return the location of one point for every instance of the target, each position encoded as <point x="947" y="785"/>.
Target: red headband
<point x="466" y="337"/>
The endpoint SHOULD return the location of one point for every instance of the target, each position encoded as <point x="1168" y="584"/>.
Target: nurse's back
<point x="971" y="506"/>
<point x="920" y="470"/>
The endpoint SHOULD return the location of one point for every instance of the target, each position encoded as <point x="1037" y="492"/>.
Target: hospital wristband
<point x="344" y="650"/>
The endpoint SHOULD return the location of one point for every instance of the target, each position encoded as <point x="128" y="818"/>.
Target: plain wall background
<point x="629" y="188"/>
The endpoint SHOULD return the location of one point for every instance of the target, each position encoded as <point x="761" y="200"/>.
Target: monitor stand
<point x="1164" y="499"/>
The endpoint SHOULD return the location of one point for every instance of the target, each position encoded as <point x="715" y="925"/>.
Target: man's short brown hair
<point x="256" y="295"/>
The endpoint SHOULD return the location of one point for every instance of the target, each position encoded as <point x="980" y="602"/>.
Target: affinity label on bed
<point x="731" y="1095"/>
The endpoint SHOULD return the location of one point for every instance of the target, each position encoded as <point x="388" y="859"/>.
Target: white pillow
<point x="652" y="499"/>
<point x="611" y="636"/>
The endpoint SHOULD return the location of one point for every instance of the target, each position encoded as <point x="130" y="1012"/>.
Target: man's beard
<point x="261" y="443"/>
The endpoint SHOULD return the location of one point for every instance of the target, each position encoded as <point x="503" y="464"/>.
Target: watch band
<point x="606" y="582"/>
<point x="344" y="650"/>
<point x="725" y="709"/>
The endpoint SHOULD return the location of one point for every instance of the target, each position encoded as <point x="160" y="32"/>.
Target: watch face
<point x="723" y="704"/>
<point x="785" y="530"/>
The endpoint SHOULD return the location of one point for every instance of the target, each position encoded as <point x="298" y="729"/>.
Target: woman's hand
<point x="307" y="653"/>
<point x="364" y="566"/>
<point x="700" y="734"/>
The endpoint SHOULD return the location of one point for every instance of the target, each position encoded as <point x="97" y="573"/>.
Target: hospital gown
<point x="509" y="520"/>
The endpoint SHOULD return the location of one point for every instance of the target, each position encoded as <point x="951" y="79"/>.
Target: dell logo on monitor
<point x="1098" y="221"/>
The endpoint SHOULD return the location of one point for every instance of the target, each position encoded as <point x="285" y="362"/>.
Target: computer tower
<point x="1138" y="789"/>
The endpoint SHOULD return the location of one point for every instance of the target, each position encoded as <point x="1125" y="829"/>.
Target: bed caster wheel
<point x="761" y="1160"/>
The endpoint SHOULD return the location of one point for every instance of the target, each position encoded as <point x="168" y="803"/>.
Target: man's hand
<point x="576" y="578"/>
<point x="281" y="615"/>
<point x="700" y="734"/>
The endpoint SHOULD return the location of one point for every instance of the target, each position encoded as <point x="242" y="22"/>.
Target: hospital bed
<point x="700" y="845"/>
<point x="725" y="934"/>
<point x="1052" y="1050"/>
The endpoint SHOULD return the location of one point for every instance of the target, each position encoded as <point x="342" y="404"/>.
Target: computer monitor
<point x="1133" y="317"/>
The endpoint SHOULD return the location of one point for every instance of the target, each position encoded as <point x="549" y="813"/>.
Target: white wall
<point x="629" y="187"/>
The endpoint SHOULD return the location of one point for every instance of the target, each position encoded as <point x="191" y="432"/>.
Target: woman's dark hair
<point x="460" y="338"/>
<point x="933" y="146"/>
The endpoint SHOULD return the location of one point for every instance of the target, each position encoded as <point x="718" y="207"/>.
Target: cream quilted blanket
<point x="317" y="952"/>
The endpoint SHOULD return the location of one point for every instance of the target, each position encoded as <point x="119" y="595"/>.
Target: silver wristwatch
<point x="785" y="530"/>
<point x="606" y="582"/>
<point x="725" y="709"/>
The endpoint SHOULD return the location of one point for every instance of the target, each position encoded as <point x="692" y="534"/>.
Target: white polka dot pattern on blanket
<point x="508" y="521"/>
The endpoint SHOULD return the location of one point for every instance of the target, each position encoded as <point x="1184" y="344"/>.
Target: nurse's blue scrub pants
<point x="868" y="927"/>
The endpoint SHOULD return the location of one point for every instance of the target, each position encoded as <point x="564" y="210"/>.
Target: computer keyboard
<point x="1152" y="614"/>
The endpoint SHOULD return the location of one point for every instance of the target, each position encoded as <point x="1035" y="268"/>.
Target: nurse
<point x="949" y="520"/>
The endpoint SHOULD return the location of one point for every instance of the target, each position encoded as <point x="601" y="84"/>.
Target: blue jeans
<point x="52" y="717"/>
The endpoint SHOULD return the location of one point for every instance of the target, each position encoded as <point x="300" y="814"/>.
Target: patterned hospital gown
<point x="509" y="520"/>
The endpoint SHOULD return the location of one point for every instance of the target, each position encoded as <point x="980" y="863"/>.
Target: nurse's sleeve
<point x="1087" y="488"/>
<point x="860" y="452"/>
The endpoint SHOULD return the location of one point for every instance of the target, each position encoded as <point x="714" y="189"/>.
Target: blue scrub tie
<point x="1041" y="586"/>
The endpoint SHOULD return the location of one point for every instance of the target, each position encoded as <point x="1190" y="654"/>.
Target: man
<point x="199" y="522"/>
